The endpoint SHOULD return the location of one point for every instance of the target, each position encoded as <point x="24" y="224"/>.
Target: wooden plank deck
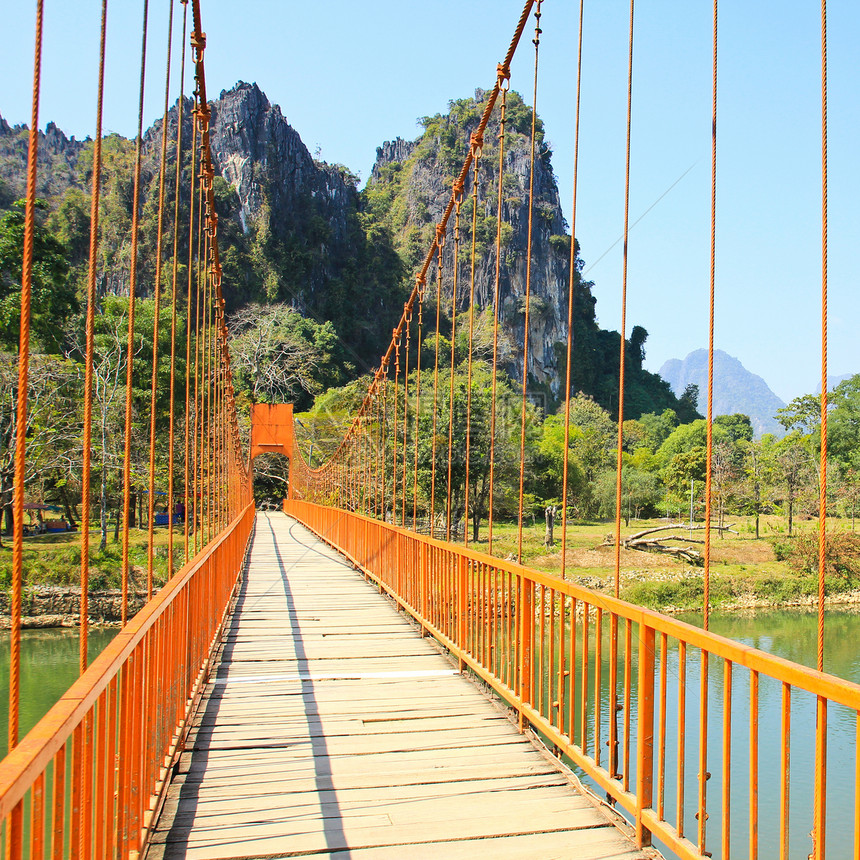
<point x="331" y="728"/>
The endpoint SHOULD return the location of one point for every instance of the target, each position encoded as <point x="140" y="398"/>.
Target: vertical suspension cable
<point x="440" y="243"/>
<point x="571" y="294"/>
<point x="820" y="793"/>
<point x="421" y="286"/>
<point x="130" y="349"/>
<point x="198" y="359"/>
<point x="150" y="552"/>
<point x="709" y="425"/>
<point x="408" y="322"/>
<point x="395" y="426"/>
<point x="710" y="422"/>
<point x="21" y="401"/>
<point x="822" y="497"/>
<point x="536" y="42"/>
<point x="188" y="335"/>
<point x="456" y="263"/>
<point x="90" y="349"/>
<point x="476" y="144"/>
<point x="174" y="296"/>
<point x="621" y="358"/>
<point x="503" y="75"/>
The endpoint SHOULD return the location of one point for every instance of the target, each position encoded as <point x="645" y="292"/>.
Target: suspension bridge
<point x="348" y="676"/>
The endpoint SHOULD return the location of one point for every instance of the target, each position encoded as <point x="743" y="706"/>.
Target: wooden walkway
<point x="331" y="728"/>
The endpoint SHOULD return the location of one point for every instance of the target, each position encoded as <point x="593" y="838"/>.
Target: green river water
<point x="50" y="664"/>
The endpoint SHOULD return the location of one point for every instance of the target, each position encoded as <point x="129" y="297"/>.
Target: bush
<point x="841" y="558"/>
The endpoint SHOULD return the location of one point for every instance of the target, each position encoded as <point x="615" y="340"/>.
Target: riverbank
<point x="48" y="606"/>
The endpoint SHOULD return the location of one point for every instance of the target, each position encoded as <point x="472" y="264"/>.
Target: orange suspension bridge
<point x="266" y="702"/>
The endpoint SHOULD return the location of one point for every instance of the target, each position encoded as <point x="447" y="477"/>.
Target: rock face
<point x="263" y="158"/>
<point x="416" y="178"/>
<point x="736" y="390"/>
<point x="57" y="163"/>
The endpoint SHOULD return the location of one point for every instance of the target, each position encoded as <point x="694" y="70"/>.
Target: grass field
<point x="745" y="571"/>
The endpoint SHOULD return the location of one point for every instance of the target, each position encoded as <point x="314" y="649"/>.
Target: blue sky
<point x="350" y="75"/>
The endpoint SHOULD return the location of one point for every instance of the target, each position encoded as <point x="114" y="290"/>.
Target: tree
<point x="279" y="356"/>
<point x="506" y="445"/>
<point x="53" y="299"/>
<point x="796" y="471"/>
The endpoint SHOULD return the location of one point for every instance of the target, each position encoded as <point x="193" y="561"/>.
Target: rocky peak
<point x="397" y="150"/>
<point x="419" y="174"/>
<point x="56" y="166"/>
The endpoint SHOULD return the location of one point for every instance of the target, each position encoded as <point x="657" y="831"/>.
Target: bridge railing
<point x="641" y="702"/>
<point x="87" y="780"/>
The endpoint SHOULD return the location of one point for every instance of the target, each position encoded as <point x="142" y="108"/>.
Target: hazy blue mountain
<point x="735" y="388"/>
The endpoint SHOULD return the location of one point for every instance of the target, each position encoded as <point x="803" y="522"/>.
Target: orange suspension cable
<point x="417" y="404"/>
<point x="822" y="498"/>
<point x="456" y="265"/>
<point x="820" y="792"/>
<point x="476" y="145"/>
<point x="188" y="307"/>
<point x="174" y="295"/>
<point x="405" y="412"/>
<point x="710" y="422"/>
<point x="90" y="349"/>
<point x="440" y="243"/>
<point x="130" y="349"/>
<point x="503" y="75"/>
<point x="395" y="426"/>
<point x="706" y="598"/>
<point x="570" y="299"/>
<point x="21" y="406"/>
<point x="536" y="41"/>
<point x="623" y="313"/>
<point x="150" y="553"/>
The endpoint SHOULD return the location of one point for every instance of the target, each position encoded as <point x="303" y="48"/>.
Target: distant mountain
<point x="735" y="388"/>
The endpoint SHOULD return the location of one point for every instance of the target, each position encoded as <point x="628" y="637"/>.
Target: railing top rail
<point x="30" y="757"/>
<point x="818" y="683"/>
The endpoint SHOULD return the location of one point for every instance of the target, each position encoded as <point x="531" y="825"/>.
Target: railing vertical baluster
<point x="753" y="755"/>
<point x="37" y="816"/>
<point x="682" y="731"/>
<point x="58" y="814"/>
<point x="571" y="717"/>
<point x="645" y="727"/>
<point x="100" y="776"/>
<point x="110" y="776"/>
<point x="77" y="779"/>
<point x="527" y="620"/>
<point x="704" y="776"/>
<point x="614" y="707"/>
<point x="785" y="771"/>
<point x="819" y="833"/>
<point x="727" y="758"/>
<point x="560" y="682"/>
<point x="598" y="677"/>
<point x="583" y="715"/>
<point x="540" y="673"/>
<point x="661" y="731"/>
<point x="857" y="788"/>
<point x="628" y="683"/>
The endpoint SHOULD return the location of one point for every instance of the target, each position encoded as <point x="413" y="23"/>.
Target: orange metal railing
<point x="87" y="780"/>
<point x="541" y="643"/>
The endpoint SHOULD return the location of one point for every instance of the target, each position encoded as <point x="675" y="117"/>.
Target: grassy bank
<point x="55" y="559"/>
<point x="744" y="570"/>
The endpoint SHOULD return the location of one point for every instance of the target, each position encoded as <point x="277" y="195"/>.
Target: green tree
<point x="53" y="300"/>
